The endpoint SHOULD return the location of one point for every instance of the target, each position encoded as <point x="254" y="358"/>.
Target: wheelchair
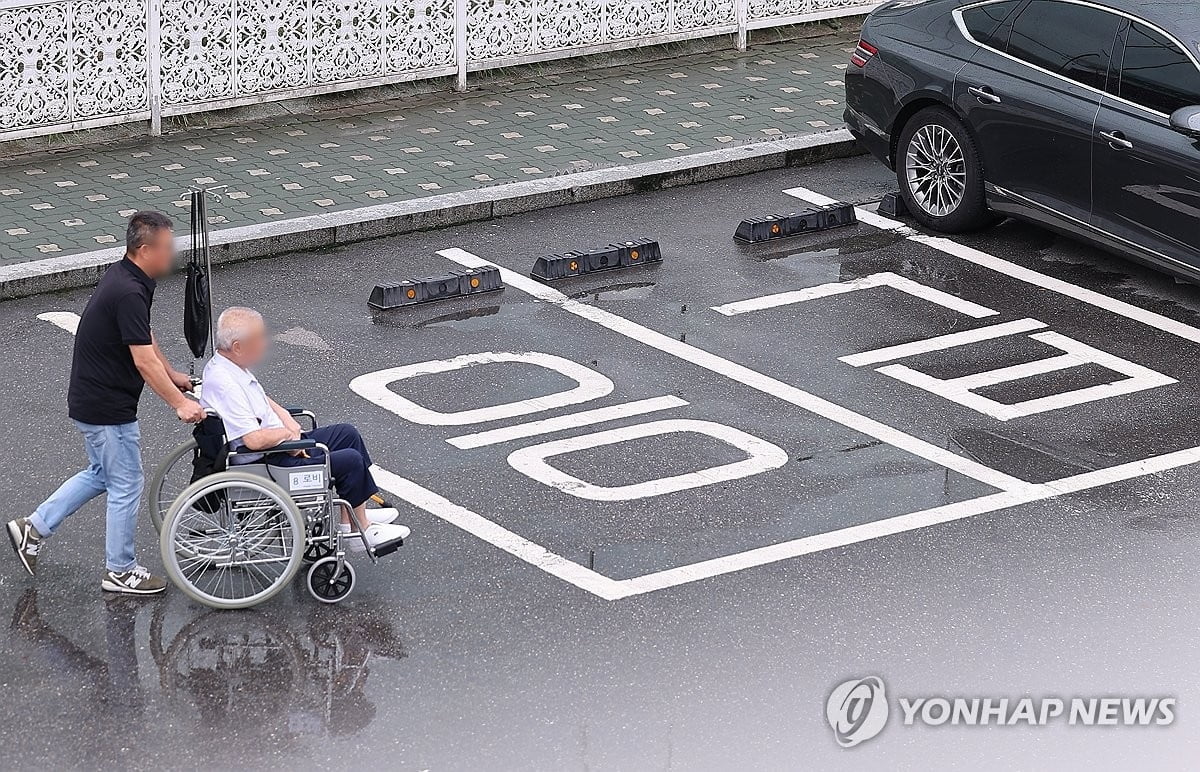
<point x="233" y="535"/>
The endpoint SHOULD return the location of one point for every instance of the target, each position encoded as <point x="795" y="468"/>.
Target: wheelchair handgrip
<point x="290" y="445"/>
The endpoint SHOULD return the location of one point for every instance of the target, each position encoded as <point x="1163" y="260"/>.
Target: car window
<point x="1074" y="41"/>
<point x="1156" y="73"/>
<point x="983" y="22"/>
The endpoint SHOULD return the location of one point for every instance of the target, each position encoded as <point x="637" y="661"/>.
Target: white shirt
<point x="237" y="396"/>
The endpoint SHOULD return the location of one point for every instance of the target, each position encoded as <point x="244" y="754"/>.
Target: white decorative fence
<point x="74" y="64"/>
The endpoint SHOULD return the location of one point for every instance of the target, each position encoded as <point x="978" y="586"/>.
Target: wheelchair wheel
<point x="232" y="540"/>
<point x="168" y="481"/>
<point x="328" y="585"/>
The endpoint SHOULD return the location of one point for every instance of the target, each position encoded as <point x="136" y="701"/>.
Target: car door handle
<point x="1116" y="140"/>
<point x="984" y="94"/>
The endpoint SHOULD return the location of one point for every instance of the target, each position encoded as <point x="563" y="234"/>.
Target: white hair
<point x="235" y="324"/>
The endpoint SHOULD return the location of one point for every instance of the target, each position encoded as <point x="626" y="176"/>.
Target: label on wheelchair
<point x="307" y="480"/>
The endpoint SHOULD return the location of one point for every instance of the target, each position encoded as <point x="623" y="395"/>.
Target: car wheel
<point x="941" y="179"/>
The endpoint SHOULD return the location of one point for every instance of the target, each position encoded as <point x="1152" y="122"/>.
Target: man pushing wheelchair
<point x="235" y="536"/>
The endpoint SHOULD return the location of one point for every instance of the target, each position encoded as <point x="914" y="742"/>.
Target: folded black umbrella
<point x="197" y="310"/>
<point x="197" y="304"/>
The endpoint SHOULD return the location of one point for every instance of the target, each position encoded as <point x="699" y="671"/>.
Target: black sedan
<point x="1081" y="116"/>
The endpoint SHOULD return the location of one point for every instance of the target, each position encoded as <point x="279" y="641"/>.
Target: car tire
<point x="940" y="175"/>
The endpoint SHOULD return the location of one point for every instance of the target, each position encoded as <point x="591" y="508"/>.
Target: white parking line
<point x="1012" y="270"/>
<point x="744" y="375"/>
<point x="902" y="523"/>
<point x="1013" y="492"/>
<point x="612" y="589"/>
<point x="374" y="387"/>
<point x="761" y="456"/>
<point x="570" y="421"/>
<point x="885" y="279"/>
<point x="64" y="320"/>
<point x="477" y="525"/>
<point x="961" y="389"/>
<point x="942" y="342"/>
<point x="1011" y="495"/>
<point x="1010" y="373"/>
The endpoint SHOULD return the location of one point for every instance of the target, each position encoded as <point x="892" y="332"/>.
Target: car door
<point x="1031" y="94"/>
<point x="1146" y="183"/>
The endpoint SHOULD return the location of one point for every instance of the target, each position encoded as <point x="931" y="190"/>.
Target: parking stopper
<point x="624" y="254"/>
<point x="893" y="205"/>
<point x="778" y="226"/>
<point x="454" y="284"/>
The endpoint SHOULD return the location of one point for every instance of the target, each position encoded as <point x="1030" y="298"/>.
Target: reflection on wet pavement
<point x="107" y="683"/>
<point x="462" y="320"/>
<point x="278" y="673"/>
<point x="416" y="318"/>
<point x="627" y="291"/>
<point x="855" y="244"/>
<point x="265" y="668"/>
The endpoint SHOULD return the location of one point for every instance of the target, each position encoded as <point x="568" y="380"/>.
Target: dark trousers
<point x="349" y="461"/>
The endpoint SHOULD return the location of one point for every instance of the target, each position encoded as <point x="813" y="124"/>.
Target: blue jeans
<point x="115" y="454"/>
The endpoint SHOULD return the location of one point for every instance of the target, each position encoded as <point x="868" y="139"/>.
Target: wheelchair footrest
<point x="388" y="548"/>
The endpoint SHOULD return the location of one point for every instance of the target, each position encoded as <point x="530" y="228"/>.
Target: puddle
<point x="630" y="291"/>
<point x="469" y="319"/>
<point x="846" y="245"/>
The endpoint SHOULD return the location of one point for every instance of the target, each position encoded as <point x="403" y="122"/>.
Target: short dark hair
<point x="142" y="228"/>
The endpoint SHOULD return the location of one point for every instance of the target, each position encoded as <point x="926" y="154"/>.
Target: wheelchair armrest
<point x="290" y="445"/>
<point x="299" y="412"/>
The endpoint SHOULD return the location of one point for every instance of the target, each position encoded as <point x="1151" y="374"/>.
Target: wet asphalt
<point x="454" y="654"/>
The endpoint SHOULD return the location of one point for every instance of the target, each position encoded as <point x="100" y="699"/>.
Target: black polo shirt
<point x="105" y="384"/>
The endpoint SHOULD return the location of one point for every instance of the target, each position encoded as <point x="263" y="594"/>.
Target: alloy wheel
<point x="936" y="170"/>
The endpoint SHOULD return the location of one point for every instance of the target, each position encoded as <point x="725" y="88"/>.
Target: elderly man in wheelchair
<point x="257" y="427"/>
<point x="233" y="538"/>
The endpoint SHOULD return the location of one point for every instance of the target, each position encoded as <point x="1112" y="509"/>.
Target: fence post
<point x="742" y="12"/>
<point x="460" y="42"/>
<point x="154" y="63"/>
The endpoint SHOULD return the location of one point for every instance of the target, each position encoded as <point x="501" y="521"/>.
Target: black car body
<point x="1081" y="115"/>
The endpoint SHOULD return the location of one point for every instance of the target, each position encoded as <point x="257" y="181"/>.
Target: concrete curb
<point x="372" y="222"/>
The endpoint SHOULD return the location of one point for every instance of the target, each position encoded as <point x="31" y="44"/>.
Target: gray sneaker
<point x="137" y="581"/>
<point x="25" y="542"/>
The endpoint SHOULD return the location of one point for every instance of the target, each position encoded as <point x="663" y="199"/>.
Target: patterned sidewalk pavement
<point x="74" y="202"/>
